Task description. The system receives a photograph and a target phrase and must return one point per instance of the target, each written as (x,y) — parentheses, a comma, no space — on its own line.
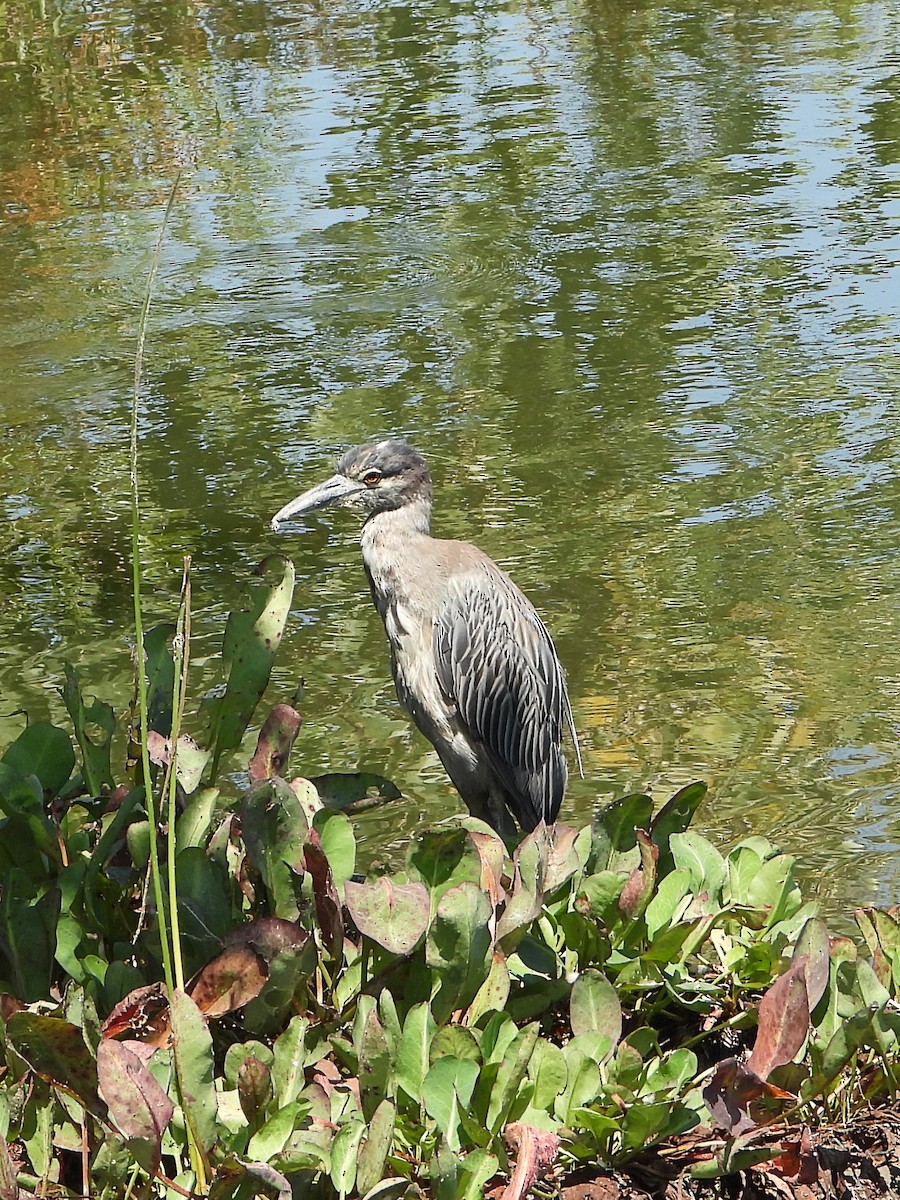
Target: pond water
(628,274)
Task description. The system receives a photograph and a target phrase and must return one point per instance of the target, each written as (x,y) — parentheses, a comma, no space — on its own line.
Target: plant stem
(182,660)
(136,592)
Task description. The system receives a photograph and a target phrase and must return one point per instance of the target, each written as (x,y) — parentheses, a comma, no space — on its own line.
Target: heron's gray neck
(409,521)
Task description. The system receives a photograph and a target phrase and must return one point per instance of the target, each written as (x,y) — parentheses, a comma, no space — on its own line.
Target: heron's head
(375,477)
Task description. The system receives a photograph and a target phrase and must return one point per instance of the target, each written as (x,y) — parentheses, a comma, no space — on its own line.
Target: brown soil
(858,1161)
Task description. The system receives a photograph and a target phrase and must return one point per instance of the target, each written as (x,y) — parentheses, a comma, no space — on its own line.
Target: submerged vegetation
(486,1017)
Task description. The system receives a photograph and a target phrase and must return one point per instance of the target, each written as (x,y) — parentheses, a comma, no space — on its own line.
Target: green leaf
(447,1086)
(506,1090)
(376,1148)
(702,861)
(28,932)
(356,792)
(413,1051)
(493,993)
(674,817)
(594,1006)
(614,826)
(204,905)
(193,1049)
(272,1137)
(275,828)
(338,843)
(192,826)
(598,896)
(45,751)
(671,891)
(252,636)
(159,667)
(442,858)
(98,716)
(458,947)
(454,1041)
(290,1061)
(478,1168)
(394,915)
(344,1151)
(548,1072)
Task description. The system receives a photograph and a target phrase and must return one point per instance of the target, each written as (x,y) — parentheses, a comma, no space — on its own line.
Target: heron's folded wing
(497,665)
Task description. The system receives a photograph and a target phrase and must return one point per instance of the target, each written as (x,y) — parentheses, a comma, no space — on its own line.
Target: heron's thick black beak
(335,490)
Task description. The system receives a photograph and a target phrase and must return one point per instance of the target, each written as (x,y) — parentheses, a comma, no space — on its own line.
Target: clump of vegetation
(487,1017)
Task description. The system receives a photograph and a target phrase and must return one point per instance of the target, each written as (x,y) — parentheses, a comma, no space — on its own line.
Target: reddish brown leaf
(799,1162)
(229,981)
(276,739)
(328,906)
(9,1005)
(143,1016)
(637,891)
(56,1050)
(268,936)
(783,1021)
(491,852)
(738,1099)
(254,1086)
(137,1104)
(535,1151)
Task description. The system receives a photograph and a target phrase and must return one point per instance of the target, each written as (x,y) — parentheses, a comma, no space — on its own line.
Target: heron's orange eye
(371,478)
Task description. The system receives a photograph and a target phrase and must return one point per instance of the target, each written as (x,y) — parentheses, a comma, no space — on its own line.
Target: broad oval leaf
(594,1006)
(43,750)
(395,915)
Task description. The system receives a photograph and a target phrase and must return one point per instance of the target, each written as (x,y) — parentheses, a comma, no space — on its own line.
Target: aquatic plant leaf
(28,933)
(344,1151)
(442,858)
(159,668)
(458,947)
(355,792)
(594,1006)
(783,1021)
(598,896)
(204,904)
(275,742)
(447,1087)
(254,1088)
(376,1148)
(137,1104)
(193,824)
(275,828)
(395,915)
(142,1015)
(613,828)
(55,1049)
(505,1093)
(338,843)
(414,1049)
(493,993)
(193,1049)
(813,944)
(95,755)
(190,758)
(9,1187)
(328,905)
(675,816)
(29,832)
(699,857)
(548,1072)
(636,893)
(45,751)
(229,981)
(252,636)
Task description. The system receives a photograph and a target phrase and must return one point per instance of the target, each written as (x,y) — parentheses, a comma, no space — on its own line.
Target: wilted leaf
(783,1021)
(55,1050)
(328,905)
(730,1093)
(535,1151)
(636,893)
(229,981)
(190,758)
(254,1088)
(273,746)
(268,936)
(137,1104)
(143,1015)
(395,915)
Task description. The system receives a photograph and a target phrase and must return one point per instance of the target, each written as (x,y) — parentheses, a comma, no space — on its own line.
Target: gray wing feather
(497,666)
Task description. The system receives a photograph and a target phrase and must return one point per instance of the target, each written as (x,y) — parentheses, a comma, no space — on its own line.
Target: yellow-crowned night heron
(471,658)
